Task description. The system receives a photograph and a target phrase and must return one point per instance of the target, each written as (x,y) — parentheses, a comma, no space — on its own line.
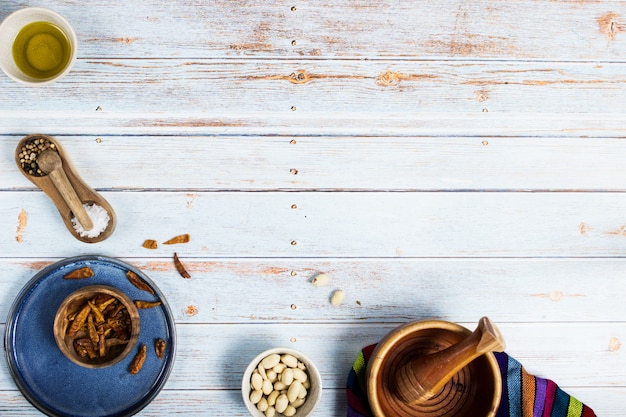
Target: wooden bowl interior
(473,392)
(74,302)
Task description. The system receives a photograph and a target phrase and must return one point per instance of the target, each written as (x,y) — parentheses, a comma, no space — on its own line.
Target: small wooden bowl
(72,304)
(474,391)
(85,193)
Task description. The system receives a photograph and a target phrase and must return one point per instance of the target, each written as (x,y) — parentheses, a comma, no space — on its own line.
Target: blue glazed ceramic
(58,387)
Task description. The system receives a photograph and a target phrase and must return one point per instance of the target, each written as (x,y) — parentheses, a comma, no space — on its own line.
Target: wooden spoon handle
(424,377)
(62,184)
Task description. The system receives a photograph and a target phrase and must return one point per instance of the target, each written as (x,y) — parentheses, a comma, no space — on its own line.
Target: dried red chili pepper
(138,361)
(80,273)
(137,282)
(146,304)
(159,348)
(178,239)
(150,244)
(180,267)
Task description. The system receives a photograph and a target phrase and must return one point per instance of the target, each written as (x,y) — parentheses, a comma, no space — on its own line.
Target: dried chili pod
(114,341)
(103,305)
(91,327)
(138,361)
(180,268)
(79,321)
(81,351)
(137,282)
(146,304)
(80,273)
(97,314)
(159,348)
(150,244)
(178,239)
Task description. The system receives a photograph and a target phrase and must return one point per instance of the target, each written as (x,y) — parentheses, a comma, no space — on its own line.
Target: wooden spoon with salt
(65,188)
(50,163)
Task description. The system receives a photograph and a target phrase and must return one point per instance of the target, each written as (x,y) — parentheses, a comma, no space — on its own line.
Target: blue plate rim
(28,287)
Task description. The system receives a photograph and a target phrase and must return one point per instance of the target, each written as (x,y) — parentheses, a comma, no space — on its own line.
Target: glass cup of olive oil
(37,46)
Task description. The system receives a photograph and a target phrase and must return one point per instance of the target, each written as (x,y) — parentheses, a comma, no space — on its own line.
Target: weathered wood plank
(322,97)
(455,29)
(295,97)
(421,224)
(377,290)
(577,125)
(211,358)
(606,401)
(336,163)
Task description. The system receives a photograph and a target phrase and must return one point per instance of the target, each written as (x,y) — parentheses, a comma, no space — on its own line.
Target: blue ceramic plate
(57,386)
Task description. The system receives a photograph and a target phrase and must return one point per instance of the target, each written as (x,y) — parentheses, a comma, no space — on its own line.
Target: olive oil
(41,50)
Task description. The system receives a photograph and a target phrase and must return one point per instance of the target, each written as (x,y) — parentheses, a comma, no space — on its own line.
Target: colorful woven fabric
(523,395)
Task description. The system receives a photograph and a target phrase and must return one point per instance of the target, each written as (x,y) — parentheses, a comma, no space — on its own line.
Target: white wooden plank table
(447,161)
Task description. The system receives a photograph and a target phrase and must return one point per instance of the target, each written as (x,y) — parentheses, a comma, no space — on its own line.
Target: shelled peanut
(279,385)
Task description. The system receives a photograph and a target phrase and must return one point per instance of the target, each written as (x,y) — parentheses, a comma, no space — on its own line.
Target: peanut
(279,384)
(320,280)
(337,297)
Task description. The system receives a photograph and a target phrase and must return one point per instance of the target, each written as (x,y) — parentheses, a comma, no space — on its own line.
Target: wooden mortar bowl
(74,302)
(474,391)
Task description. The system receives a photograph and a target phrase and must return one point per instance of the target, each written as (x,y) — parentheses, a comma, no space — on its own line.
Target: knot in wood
(610,25)
(388,78)
(299,77)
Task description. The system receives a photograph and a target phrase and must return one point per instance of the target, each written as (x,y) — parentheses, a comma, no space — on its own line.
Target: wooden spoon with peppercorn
(43,162)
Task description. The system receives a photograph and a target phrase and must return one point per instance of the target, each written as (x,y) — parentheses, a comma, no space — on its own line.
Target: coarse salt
(99,217)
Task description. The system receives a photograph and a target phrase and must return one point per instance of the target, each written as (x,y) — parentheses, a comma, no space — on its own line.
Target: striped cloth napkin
(523,395)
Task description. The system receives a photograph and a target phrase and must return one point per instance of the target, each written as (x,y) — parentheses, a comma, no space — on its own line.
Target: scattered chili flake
(146,304)
(138,360)
(80,273)
(159,348)
(178,239)
(150,244)
(137,282)
(180,268)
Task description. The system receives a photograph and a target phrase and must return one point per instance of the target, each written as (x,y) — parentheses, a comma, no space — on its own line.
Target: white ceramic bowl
(314,392)
(11,26)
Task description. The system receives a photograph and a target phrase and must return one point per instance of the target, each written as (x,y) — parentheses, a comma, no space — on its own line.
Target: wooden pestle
(424,377)
(50,163)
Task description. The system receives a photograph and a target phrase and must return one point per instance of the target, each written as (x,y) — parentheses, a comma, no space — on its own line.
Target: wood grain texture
(455,29)
(337,163)
(211,358)
(440,162)
(204,402)
(368,98)
(396,225)
(377,290)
